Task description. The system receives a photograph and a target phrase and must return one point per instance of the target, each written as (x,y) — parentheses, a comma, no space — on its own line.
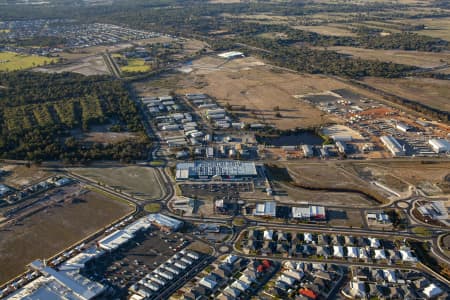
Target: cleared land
(260,88)
(431,92)
(413,173)
(434,27)
(10,61)
(18,176)
(330,29)
(91,65)
(51,230)
(102,134)
(141,182)
(413,58)
(329,179)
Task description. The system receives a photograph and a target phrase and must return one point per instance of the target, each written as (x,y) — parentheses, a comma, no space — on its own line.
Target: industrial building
(342,147)
(308,150)
(312,212)
(216,169)
(231,55)
(266,209)
(403,127)
(439,145)
(393,145)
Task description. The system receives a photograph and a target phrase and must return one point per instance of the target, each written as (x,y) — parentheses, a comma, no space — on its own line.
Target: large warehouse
(216,169)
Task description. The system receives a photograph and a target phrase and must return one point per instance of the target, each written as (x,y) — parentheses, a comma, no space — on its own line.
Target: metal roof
(209,168)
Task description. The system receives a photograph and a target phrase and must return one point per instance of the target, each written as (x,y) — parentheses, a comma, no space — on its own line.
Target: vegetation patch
(39,113)
(10,61)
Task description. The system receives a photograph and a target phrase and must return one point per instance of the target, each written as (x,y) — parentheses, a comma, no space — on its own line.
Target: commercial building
(393,145)
(64,283)
(266,209)
(216,169)
(439,145)
(312,212)
(164,222)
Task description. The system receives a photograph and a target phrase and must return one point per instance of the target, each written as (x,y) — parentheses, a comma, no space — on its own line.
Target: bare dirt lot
(18,176)
(91,65)
(51,230)
(102,134)
(331,182)
(428,175)
(432,92)
(141,182)
(260,89)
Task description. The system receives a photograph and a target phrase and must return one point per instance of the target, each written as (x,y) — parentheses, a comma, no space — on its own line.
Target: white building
(392,145)
(231,55)
(439,145)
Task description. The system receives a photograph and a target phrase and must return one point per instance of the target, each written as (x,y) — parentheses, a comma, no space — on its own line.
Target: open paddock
(54,228)
(431,92)
(18,176)
(10,61)
(139,181)
(412,58)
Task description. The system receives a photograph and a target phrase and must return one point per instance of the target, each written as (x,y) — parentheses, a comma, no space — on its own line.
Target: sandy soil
(260,88)
(18,176)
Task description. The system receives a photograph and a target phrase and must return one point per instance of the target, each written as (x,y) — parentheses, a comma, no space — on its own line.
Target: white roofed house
(268,235)
(432,291)
(407,256)
(353,252)
(208,282)
(390,275)
(374,242)
(379,254)
(308,237)
(338,251)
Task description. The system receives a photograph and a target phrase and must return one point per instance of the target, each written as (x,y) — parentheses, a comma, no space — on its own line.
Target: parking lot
(217,190)
(122,268)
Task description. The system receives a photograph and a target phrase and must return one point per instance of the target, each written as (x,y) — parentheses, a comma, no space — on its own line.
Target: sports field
(10,61)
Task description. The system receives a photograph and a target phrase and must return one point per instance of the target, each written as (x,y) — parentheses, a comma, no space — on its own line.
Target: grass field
(436,27)
(51,230)
(131,65)
(412,58)
(10,61)
(152,207)
(431,92)
(135,65)
(142,182)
